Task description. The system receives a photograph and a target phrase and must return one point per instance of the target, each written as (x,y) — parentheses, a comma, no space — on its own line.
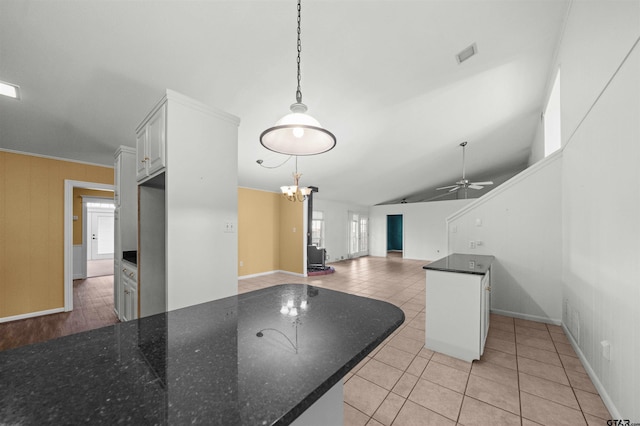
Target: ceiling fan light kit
(297,133)
(464,183)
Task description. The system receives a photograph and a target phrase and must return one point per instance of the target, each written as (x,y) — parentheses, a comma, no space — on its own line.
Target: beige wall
(266,241)
(32,229)
(292,236)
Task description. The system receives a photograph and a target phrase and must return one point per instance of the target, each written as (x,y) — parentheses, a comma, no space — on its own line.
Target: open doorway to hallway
(98,235)
(395,235)
(75,238)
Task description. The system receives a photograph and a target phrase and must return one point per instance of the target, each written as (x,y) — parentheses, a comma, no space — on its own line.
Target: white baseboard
(536,318)
(613,410)
(32,315)
(262,274)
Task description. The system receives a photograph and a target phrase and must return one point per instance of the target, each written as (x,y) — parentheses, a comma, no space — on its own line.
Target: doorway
(98,235)
(69,217)
(358,235)
(395,235)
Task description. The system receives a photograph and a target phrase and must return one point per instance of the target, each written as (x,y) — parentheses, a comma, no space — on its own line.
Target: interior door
(358,235)
(101,235)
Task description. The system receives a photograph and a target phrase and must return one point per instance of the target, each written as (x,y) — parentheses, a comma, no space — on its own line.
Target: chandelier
(295,192)
(298,133)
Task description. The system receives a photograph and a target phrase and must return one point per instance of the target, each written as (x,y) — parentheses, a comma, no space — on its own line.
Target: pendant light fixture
(297,133)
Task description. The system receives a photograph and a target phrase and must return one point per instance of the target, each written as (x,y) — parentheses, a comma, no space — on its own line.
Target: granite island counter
(268,357)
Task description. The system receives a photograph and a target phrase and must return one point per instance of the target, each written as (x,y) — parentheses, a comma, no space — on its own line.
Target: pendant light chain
(299,91)
(298,133)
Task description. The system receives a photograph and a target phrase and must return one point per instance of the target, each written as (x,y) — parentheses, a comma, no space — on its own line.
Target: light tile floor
(528,375)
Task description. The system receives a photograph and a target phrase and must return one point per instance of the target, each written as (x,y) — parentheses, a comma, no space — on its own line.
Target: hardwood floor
(93,308)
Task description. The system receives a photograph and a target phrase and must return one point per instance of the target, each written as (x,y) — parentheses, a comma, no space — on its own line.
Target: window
(552,129)
(317,228)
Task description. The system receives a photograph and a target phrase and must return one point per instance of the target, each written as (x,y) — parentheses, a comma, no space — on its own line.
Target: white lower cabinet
(129,285)
(117,287)
(457,313)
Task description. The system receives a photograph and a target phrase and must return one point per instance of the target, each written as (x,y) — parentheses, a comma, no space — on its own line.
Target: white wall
(336,233)
(520,224)
(424,228)
(601,203)
(537,145)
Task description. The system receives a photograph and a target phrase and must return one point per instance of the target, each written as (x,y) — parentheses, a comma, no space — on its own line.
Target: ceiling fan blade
(454,189)
(482,183)
(446,187)
(474,186)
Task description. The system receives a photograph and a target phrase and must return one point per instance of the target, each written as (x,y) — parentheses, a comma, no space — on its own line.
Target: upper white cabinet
(151,138)
(188,195)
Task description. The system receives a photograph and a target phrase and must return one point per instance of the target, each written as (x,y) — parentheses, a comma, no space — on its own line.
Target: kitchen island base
(458,303)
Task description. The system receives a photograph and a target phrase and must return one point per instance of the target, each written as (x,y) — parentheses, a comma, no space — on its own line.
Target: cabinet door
(133,296)
(127,307)
(156,137)
(485,288)
(117,281)
(141,154)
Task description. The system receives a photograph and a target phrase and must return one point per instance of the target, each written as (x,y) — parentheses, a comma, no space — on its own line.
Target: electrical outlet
(472,245)
(229,227)
(241,263)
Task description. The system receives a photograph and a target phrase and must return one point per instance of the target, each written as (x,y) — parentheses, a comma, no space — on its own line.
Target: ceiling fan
(464,182)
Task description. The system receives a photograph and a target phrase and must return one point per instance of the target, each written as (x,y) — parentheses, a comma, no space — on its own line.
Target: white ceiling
(381,75)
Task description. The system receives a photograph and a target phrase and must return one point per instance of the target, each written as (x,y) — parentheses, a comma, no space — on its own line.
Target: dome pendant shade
(297,133)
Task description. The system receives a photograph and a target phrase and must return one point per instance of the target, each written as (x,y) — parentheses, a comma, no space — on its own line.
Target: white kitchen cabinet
(125,217)
(458,304)
(129,291)
(117,282)
(188,197)
(151,138)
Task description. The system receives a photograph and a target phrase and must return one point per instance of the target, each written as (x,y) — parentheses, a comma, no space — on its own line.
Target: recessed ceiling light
(467,53)
(10,90)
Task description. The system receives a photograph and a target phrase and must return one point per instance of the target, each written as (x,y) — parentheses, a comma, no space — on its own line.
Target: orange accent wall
(77,209)
(32,229)
(266,241)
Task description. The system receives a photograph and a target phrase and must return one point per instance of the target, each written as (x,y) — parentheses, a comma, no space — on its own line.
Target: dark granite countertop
(463,263)
(228,362)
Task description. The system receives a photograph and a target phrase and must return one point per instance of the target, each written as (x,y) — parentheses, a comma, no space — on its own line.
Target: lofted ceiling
(381,75)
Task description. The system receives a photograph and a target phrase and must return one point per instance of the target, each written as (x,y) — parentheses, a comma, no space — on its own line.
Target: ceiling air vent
(467,53)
